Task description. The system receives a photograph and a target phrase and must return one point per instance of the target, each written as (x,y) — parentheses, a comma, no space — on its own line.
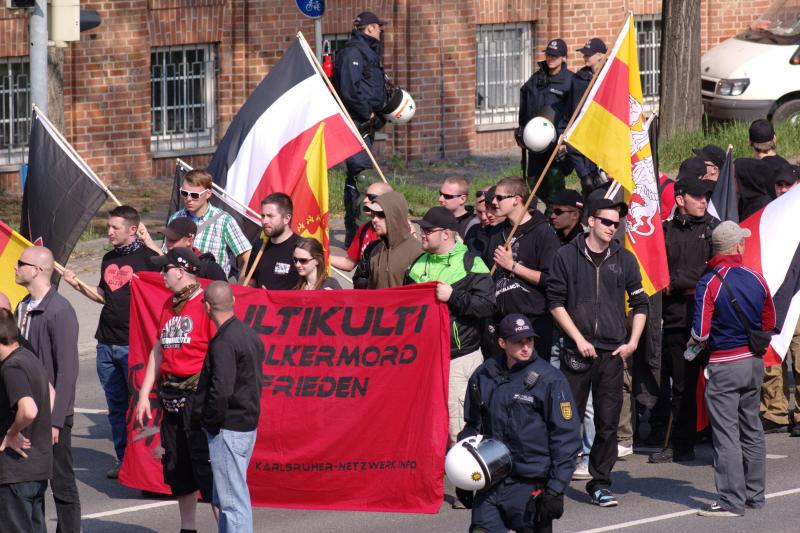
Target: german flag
(12,244)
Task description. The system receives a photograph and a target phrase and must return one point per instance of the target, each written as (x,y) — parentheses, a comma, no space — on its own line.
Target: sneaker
(714,509)
(582,472)
(773,427)
(604,498)
(113,473)
(624,451)
(795,431)
(664,456)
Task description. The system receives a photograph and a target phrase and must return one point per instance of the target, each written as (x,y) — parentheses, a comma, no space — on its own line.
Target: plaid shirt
(218,237)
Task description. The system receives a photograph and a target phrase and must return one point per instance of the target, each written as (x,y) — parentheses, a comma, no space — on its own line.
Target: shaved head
(41,257)
(379,188)
(5,303)
(219,296)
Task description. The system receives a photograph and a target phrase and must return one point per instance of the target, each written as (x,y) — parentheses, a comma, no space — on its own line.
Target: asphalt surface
(653,498)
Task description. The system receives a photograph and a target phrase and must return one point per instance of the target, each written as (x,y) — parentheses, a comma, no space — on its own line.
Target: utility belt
(174,392)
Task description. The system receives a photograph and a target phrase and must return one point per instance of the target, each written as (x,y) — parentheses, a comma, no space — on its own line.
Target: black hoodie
(756,184)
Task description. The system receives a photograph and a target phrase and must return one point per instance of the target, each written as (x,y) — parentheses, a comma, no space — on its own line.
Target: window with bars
(15,109)
(648,37)
(503,66)
(336,42)
(183,87)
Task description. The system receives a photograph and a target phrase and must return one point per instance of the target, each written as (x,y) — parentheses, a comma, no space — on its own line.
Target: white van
(757,73)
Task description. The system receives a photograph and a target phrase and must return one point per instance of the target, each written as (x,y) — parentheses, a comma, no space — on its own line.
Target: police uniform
(529,408)
(547,95)
(361,83)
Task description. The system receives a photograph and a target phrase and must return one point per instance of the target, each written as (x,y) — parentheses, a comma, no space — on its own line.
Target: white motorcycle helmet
(539,134)
(477,463)
(400,108)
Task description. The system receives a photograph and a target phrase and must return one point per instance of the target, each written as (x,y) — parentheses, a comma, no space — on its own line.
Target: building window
(183,86)
(503,66)
(336,42)
(15,109)
(648,38)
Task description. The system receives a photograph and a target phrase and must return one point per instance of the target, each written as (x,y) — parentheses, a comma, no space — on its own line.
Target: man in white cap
(734,307)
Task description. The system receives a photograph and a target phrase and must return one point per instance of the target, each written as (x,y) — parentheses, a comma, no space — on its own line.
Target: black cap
(556,47)
(787,175)
(596,204)
(368,17)
(488,196)
(568,197)
(694,167)
(515,327)
(438,217)
(181,256)
(593,46)
(711,152)
(693,186)
(761,131)
(179,228)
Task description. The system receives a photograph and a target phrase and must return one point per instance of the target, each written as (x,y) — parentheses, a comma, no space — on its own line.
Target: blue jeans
(230,453)
(112,369)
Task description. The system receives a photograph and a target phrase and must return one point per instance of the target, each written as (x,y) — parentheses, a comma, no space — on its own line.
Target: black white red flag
(724,202)
(264,149)
(61,195)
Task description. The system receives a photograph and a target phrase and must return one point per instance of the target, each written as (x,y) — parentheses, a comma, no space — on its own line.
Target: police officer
(361,83)
(547,93)
(521,400)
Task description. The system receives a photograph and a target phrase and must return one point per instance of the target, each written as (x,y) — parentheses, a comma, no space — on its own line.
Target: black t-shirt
(276,269)
(21,375)
(597,257)
(116,272)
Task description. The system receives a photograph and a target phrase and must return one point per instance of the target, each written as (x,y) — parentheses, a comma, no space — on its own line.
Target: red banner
(354,398)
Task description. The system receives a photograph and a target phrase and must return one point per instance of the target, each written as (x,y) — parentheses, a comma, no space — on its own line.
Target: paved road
(653,498)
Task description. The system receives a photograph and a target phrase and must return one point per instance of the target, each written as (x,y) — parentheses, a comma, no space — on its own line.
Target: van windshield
(781,20)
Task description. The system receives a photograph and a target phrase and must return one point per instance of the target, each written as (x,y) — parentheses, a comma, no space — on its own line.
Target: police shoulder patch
(566,410)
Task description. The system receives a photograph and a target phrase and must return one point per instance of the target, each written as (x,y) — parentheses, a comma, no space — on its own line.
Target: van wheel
(788,111)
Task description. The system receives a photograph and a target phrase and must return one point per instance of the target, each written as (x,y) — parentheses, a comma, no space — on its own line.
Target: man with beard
(275,270)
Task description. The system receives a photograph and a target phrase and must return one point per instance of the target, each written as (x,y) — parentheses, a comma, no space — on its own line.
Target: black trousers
(355,164)
(22,507)
(543,327)
(65,490)
(605,377)
(684,385)
(503,507)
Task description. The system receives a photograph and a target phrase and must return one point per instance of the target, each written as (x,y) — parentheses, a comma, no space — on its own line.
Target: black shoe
(795,431)
(773,427)
(750,504)
(664,456)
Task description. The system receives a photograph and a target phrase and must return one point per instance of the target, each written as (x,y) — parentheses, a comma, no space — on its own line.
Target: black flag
(61,193)
(724,203)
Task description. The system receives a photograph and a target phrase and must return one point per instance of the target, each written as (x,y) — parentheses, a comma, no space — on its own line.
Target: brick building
(161,79)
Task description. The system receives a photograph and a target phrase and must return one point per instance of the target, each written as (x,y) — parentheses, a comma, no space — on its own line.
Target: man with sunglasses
(566,210)
(365,234)
(521,272)
(275,270)
(217,231)
(49,323)
(586,291)
(464,284)
(388,258)
(453,195)
(687,237)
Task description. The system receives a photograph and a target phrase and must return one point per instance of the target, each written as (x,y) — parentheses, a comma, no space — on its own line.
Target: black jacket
(593,296)
(688,243)
(533,246)
(359,77)
(229,389)
(210,269)
(539,423)
(543,90)
(756,179)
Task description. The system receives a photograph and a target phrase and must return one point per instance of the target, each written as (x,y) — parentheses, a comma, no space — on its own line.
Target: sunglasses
(301,260)
(192,195)
(371,197)
(21,263)
(479,194)
(379,214)
(501,197)
(449,196)
(430,230)
(558,211)
(607,222)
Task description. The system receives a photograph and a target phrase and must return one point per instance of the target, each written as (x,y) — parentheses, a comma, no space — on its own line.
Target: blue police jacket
(538,423)
(543,90)
(359,77)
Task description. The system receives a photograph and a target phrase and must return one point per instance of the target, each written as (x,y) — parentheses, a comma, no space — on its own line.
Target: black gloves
(466,497)
(468,431)
(549,506)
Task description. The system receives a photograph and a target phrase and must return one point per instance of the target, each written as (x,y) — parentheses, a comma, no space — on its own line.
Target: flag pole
(85,164)
(351,123)
(60,269)
(255,262)
(554,153)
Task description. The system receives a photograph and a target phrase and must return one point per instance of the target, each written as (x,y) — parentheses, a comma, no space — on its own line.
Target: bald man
(365,233)
(48,321)
(227,405)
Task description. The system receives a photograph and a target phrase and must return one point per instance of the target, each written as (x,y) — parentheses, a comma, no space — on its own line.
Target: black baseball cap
(568,197)
(368,17)
(179,228)
(593,46)
(711,152)
(693,186)
(761,131)
(181,256)
(787,175)
(596,204)
(694,167)
(438,217)
(515,327)
(556,47)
